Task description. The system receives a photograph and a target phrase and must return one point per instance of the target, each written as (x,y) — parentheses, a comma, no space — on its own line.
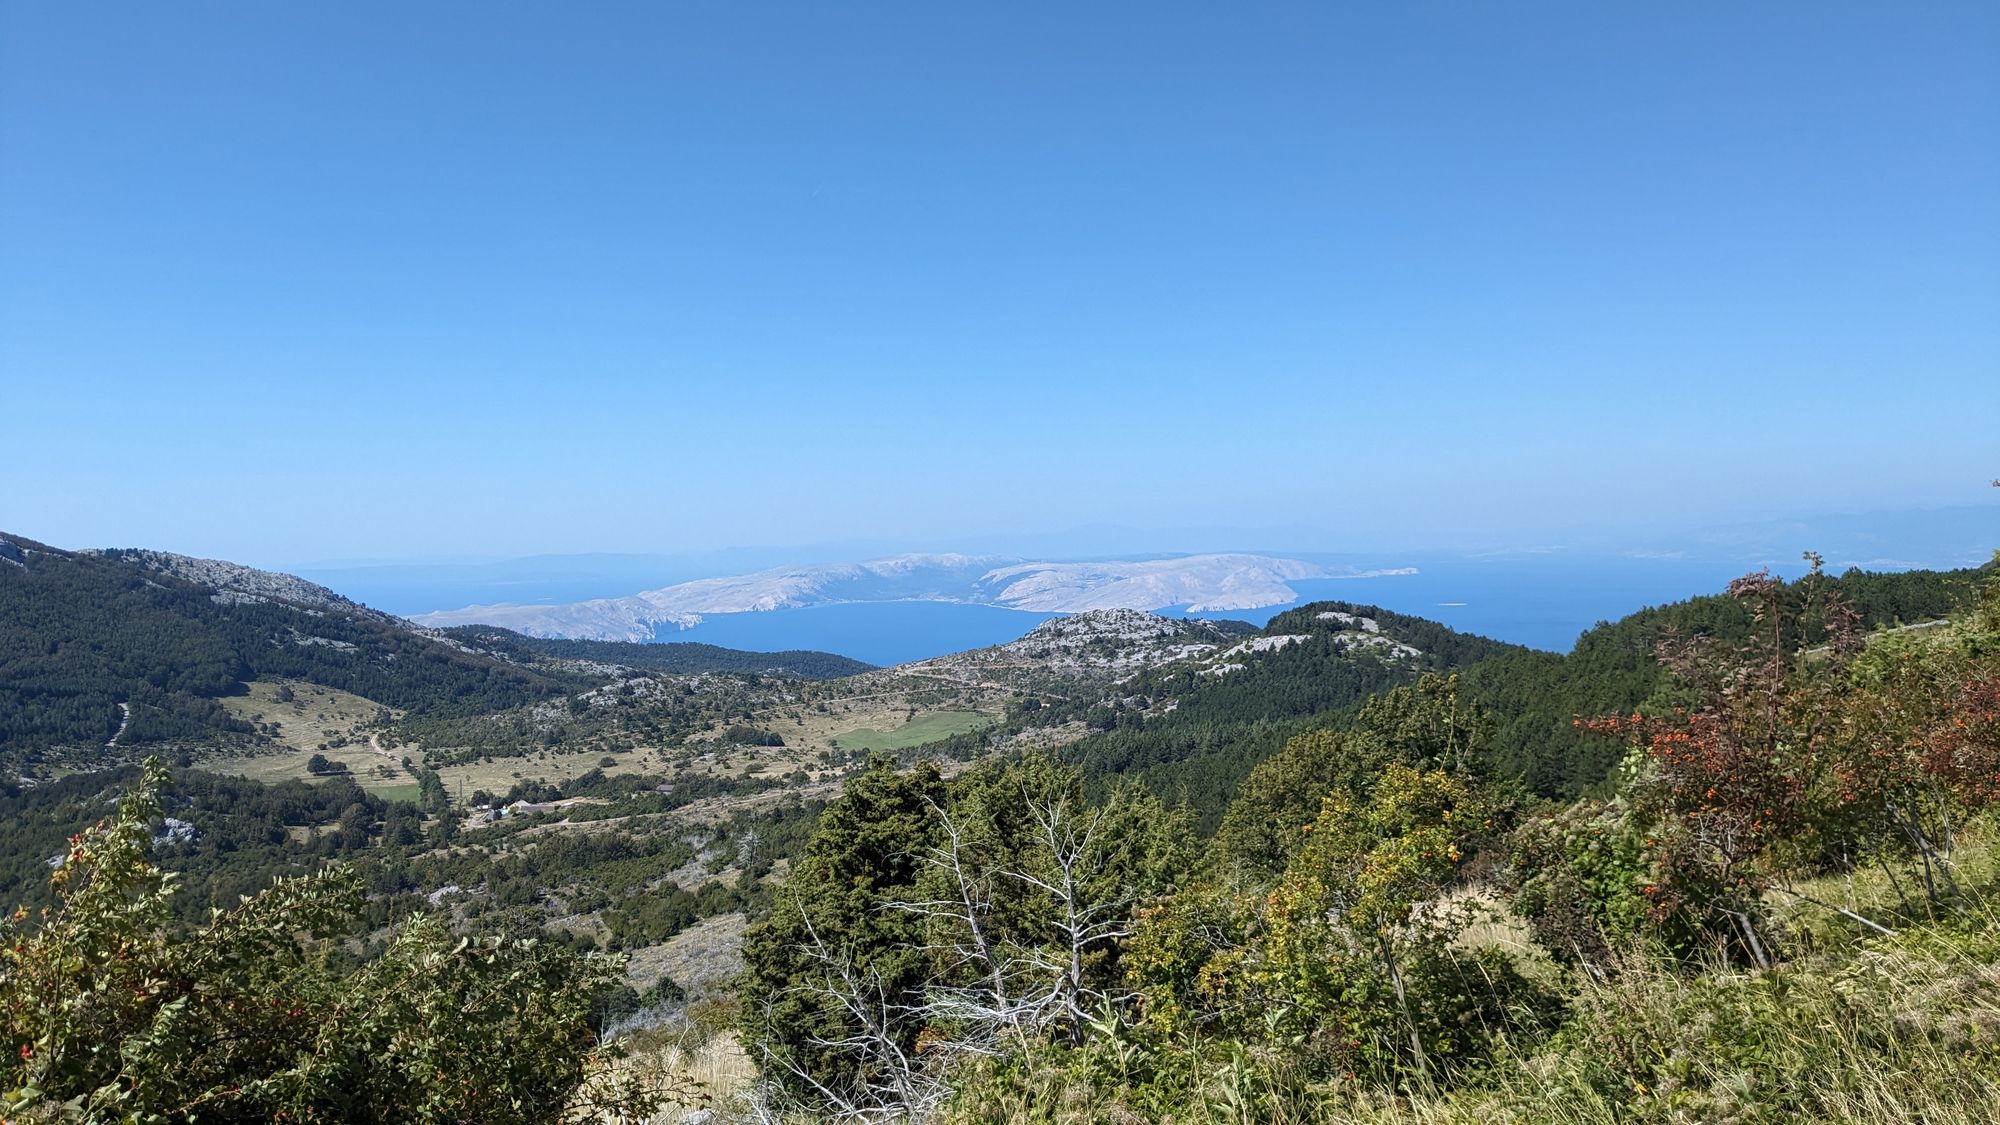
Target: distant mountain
(1203,583)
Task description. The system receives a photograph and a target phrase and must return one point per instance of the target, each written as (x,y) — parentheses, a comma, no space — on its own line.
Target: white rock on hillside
(233,582)
(1206,583)
(1103,644)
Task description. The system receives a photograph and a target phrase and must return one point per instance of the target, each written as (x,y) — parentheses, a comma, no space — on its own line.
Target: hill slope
(674,658)
(1612,670)
(1194,729)
(104,646)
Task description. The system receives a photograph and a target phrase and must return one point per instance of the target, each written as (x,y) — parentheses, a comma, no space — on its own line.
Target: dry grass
(315,714)
(1907,1033)
(317,720)
(895,715)
(499,774)
(686,1069)
(702,959)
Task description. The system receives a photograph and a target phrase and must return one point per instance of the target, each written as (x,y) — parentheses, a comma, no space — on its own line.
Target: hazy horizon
(1943,535)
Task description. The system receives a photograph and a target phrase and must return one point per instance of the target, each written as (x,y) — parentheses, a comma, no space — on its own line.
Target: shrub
(111,1011)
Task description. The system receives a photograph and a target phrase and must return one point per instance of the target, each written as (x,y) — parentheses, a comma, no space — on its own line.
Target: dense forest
(674,657)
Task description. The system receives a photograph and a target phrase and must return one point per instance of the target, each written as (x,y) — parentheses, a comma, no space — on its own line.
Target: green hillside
(1203,731)
(82,634)
(1536,696)
(1192,735)
(674,657)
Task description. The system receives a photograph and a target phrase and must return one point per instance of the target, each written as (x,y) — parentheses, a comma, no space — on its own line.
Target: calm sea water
(1543,601)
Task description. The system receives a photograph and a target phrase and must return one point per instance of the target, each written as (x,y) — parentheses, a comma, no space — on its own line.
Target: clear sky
(282,282)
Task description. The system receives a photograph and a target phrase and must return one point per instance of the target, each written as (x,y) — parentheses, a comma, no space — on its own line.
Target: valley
(718,758)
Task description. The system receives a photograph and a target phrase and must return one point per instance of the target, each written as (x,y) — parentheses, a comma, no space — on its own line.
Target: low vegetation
(115,1010)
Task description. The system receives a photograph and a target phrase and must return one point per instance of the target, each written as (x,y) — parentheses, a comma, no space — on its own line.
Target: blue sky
(318,281)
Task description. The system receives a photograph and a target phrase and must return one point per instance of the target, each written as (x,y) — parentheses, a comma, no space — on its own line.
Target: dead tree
(995,990)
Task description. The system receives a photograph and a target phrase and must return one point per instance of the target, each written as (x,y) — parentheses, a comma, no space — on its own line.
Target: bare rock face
(1203,583)
(1130,631)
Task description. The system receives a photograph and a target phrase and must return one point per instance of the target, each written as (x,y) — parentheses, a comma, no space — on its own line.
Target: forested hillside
(1192,732)
(674,657)
(1535,697)
(82,634)
(106,654)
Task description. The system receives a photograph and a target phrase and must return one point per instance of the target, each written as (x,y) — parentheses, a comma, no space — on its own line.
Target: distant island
(1197,583)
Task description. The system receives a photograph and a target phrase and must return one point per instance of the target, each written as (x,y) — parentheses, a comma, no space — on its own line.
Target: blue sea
(1542,601)
(877,632)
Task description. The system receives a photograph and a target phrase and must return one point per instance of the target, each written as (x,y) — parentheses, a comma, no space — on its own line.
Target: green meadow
(928,727)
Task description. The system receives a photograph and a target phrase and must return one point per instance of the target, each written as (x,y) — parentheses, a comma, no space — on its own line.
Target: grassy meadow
(926,727)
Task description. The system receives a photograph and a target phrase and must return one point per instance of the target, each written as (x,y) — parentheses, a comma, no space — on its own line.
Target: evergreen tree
(834,933)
